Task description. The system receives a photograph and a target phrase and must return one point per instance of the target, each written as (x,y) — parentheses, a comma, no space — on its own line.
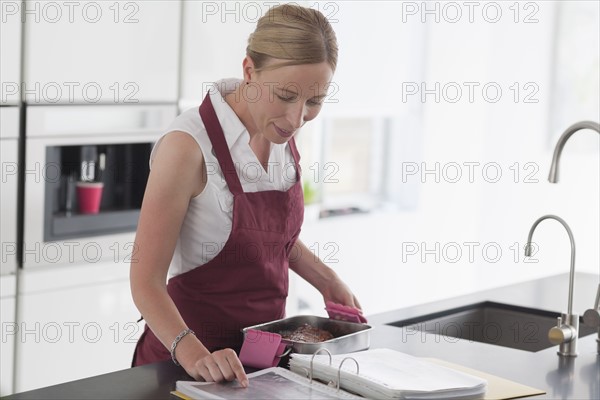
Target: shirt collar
(230,123)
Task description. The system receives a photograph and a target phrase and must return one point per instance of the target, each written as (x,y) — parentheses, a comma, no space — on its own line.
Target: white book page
(392,372)
(270,383)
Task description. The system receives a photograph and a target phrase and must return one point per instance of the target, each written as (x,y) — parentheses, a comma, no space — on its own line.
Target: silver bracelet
(177,339)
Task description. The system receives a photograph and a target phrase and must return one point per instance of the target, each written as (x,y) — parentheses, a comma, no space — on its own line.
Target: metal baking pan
(348,337)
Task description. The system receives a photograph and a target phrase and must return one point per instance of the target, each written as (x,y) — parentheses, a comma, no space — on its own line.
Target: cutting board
(498,388)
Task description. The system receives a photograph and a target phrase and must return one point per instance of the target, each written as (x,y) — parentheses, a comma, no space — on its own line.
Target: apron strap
(217,138)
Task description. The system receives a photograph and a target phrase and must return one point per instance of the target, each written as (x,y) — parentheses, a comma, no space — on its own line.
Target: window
(346,160)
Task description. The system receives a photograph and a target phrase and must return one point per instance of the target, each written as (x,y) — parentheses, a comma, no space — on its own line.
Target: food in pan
(308,334)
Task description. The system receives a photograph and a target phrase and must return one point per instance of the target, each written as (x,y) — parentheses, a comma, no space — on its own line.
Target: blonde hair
(297,34)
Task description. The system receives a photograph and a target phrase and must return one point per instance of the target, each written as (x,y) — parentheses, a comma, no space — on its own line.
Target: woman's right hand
(219,366)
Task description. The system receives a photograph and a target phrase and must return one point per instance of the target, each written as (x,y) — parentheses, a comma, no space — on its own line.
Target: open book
(382,374)
(270,383)
(389,374)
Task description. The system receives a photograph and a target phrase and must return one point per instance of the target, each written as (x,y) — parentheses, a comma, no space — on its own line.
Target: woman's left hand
(338,292)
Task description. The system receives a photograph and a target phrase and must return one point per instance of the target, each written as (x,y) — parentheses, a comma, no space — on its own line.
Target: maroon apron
(247,282)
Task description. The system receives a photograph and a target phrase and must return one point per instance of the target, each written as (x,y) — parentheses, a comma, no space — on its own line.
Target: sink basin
(493,323)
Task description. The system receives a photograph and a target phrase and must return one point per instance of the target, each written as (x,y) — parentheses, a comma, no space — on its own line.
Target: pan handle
(285,353)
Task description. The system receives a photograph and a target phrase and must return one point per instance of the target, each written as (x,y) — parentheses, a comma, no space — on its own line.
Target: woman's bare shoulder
(179,155)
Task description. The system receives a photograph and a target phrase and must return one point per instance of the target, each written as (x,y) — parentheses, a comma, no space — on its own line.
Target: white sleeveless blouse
(207,223)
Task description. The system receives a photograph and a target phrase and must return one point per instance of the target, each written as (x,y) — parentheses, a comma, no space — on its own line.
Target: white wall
(489,215)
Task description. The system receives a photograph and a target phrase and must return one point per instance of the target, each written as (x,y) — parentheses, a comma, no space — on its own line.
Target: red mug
(89,195)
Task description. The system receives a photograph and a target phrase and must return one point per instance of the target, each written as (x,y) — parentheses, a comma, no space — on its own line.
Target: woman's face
(281,100)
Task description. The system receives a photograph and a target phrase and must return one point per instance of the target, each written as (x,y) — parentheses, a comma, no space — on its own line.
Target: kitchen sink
(493,323)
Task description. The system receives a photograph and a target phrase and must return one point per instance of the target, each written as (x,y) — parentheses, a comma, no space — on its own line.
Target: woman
(224,236)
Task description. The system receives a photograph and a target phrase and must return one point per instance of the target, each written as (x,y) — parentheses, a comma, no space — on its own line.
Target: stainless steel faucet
(591,317)
(567,328)
(553,177)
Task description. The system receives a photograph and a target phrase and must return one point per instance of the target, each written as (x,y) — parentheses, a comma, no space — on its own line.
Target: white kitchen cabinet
(92,52)
(207,31)
(10,53)
(8,323)
(74,322)
(9,122)
(9,130)
(396,43)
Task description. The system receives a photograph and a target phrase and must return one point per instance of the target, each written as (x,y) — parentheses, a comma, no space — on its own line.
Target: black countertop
(561,377)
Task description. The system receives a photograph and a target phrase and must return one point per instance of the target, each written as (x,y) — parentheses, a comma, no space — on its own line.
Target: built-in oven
(85,171)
